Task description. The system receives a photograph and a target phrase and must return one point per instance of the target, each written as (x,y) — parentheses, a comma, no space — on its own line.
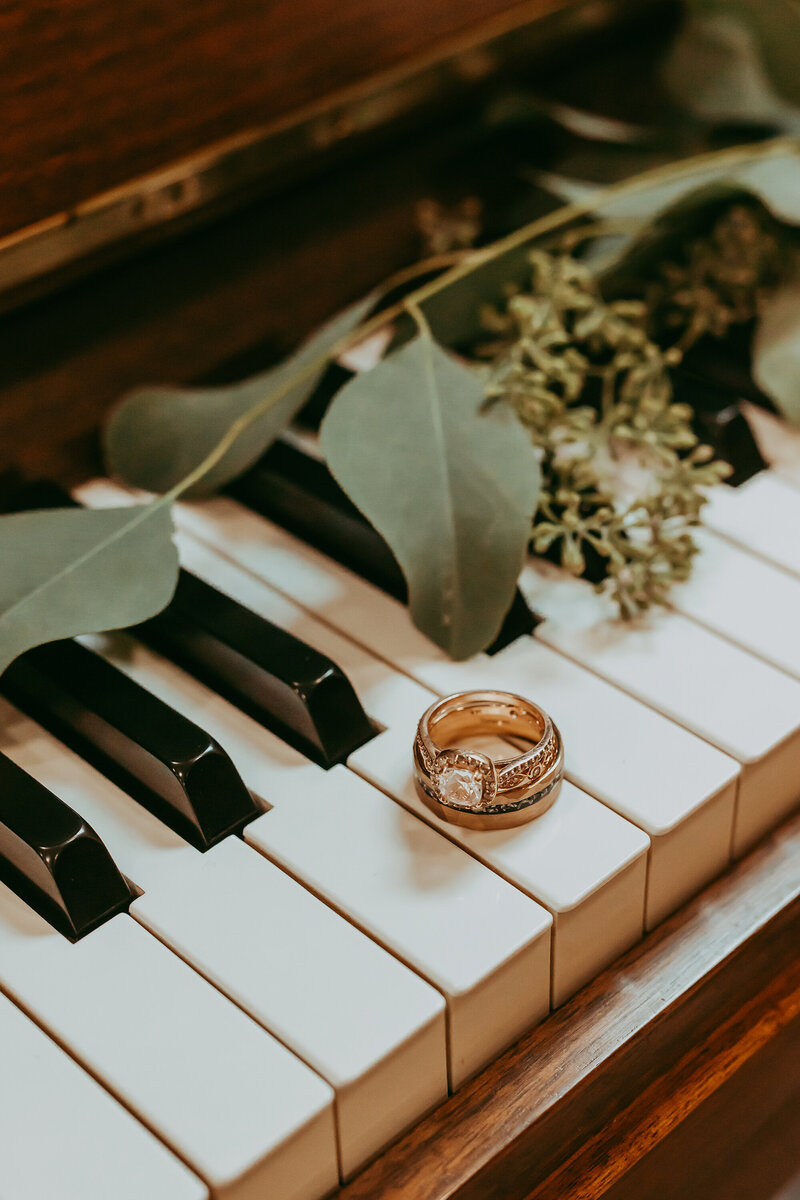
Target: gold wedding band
(467,787)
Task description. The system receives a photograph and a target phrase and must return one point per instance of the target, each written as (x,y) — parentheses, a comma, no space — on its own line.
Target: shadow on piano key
(296,490)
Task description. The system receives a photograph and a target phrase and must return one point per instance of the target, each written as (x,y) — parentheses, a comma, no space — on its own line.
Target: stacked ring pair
(467,787)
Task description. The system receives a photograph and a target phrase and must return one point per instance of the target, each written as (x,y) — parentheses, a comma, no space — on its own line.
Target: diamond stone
(461,786)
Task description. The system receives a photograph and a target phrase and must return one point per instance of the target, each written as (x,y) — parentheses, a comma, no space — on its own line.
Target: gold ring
(467,787)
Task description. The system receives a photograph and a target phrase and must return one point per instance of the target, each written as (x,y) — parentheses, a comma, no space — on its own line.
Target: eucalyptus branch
(551,222)
(641,538)
(419,318)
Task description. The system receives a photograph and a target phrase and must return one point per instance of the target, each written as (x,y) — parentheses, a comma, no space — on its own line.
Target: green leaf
(454,313)
(70,571)
(718,70)
(776,350)
(157,436)
(692,215)
(773,176)
(453,306)
(452,489)
(773,27)
(680,208)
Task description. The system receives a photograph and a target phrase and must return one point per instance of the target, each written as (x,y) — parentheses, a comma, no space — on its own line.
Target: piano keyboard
(294,959)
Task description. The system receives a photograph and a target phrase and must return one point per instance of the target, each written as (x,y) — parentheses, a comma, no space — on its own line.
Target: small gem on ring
(461,786)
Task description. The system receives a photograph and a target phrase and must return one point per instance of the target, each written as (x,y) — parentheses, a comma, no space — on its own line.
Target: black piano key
(165,761)
(53,860)
(34,494)
(285,684)
(297,491)
(292,689)
(720,422)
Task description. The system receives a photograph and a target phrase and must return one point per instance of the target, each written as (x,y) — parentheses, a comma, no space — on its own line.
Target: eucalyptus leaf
(776,350)
(772,175)
(717,70)
(451,488)
(773,26)
(157,436)
(454,312)
(70,571)
(692,215)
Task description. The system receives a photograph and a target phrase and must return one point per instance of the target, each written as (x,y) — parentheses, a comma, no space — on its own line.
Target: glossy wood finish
(760,1106)
(94,94)
(223,301)
(599,1086)
(254,159)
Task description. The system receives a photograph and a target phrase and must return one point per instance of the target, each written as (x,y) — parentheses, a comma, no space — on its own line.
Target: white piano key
(241,1111)
(747,600)
(729,697)
(483,943)
(583,862)
(371,1027)
(387,872)
(678,789)
(361,1019)
(762,516)
(63,1136)
(587,865)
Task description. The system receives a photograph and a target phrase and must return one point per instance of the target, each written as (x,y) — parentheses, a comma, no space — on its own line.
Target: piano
(239,958)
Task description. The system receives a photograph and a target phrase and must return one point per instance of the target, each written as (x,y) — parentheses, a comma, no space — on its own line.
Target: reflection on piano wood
(238,957)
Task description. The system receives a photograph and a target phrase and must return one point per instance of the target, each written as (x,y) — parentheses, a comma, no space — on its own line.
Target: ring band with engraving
(467,787)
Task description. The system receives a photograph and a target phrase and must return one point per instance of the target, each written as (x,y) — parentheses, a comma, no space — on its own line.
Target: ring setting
(468,787)
(464,779)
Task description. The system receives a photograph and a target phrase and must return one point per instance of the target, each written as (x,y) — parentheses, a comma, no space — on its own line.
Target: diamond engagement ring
(468,787)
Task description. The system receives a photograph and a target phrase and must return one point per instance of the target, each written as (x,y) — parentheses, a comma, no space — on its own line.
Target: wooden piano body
(186,193)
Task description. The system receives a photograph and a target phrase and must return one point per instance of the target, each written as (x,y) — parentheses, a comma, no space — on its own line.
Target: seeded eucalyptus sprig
(719,280)
(622,469)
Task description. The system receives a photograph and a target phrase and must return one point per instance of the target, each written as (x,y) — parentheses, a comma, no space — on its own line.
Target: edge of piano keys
(306,572)
(590,1092)
(510,931)
(754,817)
(598,906)
(743,705)
(742,515)
(103,1013)
(67,1100)
(192,902)
(761,781)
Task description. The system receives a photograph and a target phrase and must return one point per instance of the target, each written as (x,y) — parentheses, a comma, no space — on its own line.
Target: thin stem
(599,229)
(416,312)
(570,212)
(436,262)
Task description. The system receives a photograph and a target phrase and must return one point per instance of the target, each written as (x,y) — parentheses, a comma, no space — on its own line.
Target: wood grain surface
(742,1143)
(226,299)
(606,1079)
(95,93)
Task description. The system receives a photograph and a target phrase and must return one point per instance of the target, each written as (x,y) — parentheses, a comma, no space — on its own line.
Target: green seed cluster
(623,471)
